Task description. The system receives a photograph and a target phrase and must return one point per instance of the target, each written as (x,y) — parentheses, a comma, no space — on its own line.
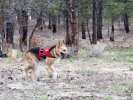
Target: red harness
(44,53)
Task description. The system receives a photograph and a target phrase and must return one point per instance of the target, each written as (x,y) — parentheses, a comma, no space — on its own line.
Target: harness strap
(55,53)
(41,53)
(48,52)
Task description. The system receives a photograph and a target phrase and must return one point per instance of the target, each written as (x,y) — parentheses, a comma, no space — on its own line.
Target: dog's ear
(59,44)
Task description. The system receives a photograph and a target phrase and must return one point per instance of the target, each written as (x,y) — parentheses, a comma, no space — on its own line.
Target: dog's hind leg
(33,75)
(36,71)
(30,72)
(33,66)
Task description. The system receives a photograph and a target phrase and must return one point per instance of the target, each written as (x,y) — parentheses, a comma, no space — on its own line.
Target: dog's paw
(38,79)
(55,76)
(50,76)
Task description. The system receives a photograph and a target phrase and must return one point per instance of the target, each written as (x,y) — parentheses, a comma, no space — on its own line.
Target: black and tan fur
(31,60)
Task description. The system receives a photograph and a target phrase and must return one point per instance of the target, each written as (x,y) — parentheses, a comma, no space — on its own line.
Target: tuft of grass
(131,68)
(46,97)
(87,72)
(123,88)
(122,55)
(107,98)
(93,98)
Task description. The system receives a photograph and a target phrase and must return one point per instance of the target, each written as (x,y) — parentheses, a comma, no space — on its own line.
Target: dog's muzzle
(64,55)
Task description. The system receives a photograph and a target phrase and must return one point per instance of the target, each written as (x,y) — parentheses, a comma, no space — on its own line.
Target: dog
(48,55)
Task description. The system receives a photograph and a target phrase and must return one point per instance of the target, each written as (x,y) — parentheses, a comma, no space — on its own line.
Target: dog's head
(61,48)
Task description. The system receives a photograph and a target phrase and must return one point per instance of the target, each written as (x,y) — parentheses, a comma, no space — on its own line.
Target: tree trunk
(2,35)
(112,30)
(125,18)
(126,23)
(54,26)
(73,34)
(108,29)
(34,29)
(74,27)
(88,30)
(23,28)
(99,18)
(94,19)
(67,37)
(49,25)
(59,22)
(32,33)
(83,30)
(9,33)
(40,23)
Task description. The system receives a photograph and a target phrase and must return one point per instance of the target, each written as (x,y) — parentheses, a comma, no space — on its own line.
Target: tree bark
(2,31)
(66,13)
(88,30)
(34,29)
(40,25)
(125,18)
(59,22)
(32,33)
(74,27)
(112,30)
(54,24)
(99,18)
(49,25)
(94,23)
(83,30)
(23,28)
(73,34)
(9,33)
(126,23)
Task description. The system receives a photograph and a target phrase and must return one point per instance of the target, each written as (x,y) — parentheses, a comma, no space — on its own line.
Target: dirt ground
(106,77)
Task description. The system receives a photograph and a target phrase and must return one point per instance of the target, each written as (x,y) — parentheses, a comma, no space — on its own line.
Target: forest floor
(107,77)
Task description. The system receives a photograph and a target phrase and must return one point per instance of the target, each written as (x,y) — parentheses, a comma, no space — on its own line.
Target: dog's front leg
(54,74)
(51,69)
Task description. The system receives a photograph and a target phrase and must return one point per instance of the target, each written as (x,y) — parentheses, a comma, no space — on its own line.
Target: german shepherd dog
(49,55)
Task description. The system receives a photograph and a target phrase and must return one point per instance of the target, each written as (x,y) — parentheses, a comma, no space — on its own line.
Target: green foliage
(113,9)
(129,8)
(46,7)
(85,9)
(123,88)
(39,6)
(55,8)
(116,8)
